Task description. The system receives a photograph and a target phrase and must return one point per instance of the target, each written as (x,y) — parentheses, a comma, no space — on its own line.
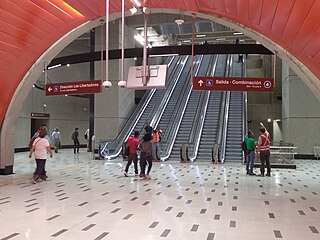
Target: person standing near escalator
(250,152)
(264,149)
(132,143)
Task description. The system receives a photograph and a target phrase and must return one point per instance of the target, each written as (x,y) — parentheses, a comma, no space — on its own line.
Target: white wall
(66,113)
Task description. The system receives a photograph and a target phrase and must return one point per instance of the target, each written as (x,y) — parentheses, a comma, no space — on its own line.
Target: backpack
(73,136)
(31,142)
(244,145)
(127,151)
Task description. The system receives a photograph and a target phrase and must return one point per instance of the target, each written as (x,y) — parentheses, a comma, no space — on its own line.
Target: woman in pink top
(40,147)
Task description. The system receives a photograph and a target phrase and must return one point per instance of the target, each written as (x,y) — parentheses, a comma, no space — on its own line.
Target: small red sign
(233,84)
(72,88)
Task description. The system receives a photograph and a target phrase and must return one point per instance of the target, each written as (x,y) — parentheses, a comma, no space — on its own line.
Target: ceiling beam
(180,50)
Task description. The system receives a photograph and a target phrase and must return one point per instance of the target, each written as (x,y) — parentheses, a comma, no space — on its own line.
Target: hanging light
(106,83)
(179,21)
(133,10)
(122,83)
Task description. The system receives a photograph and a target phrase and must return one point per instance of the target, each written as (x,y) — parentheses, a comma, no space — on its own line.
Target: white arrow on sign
(49,89)
(200,82)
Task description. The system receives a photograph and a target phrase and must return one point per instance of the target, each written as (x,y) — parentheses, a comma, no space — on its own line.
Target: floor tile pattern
(91,199)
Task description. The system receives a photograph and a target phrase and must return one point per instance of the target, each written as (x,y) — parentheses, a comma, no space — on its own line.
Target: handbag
(126,151)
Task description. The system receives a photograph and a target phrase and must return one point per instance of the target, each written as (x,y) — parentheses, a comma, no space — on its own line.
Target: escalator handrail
(164,103)
(202,116)
(226,116)
(182,108)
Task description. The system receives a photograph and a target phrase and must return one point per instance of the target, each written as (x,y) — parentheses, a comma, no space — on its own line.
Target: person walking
(146,156)
(40,147)
(56,136)
(75,138)
(132,143)
(250,152)
(87,138)
(264,149)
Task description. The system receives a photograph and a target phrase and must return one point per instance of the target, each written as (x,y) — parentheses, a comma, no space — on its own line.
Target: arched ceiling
(29,27)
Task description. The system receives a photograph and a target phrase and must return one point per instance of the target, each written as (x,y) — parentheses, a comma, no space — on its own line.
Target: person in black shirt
(75,138)
(148,132)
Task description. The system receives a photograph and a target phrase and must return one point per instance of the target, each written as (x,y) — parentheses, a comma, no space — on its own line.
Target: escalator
(146,109)
(189,119)
(236,115)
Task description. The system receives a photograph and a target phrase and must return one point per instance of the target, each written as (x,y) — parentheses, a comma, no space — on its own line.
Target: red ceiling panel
(54,11)
(6,48)
(15,23)
(37,12)
(255,9)
(16,42)
(243,10)
(83,8)
(94,7)
(281,17)
(308,27)
(296,19)
(231,7)
(207,4)
(220,5)
(6,59)
(29,27)
(267,14)
(313,47)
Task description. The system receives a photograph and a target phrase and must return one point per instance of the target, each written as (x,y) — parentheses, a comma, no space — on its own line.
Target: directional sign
(233,84)
(72,88)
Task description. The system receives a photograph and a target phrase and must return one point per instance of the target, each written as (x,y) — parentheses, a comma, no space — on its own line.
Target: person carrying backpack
(250,152)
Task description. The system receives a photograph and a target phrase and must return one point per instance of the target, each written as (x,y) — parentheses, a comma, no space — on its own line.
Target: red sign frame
(73,88)
(233,84)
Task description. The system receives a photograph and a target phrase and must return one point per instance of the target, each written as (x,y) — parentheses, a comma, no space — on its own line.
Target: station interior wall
(114,106)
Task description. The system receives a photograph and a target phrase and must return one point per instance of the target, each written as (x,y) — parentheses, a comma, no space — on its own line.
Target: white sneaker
(147,177)
(33,180)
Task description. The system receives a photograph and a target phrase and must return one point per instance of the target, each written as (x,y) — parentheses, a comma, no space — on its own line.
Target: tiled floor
(90,199)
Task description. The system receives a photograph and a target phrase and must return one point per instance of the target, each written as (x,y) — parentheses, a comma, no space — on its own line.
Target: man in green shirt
(250,146)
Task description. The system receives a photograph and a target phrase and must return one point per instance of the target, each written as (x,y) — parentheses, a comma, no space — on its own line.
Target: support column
(300,113)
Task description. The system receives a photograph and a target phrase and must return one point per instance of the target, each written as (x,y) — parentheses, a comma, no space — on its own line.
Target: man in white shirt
(56,136)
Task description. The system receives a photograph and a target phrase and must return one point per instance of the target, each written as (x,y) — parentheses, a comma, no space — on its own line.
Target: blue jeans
(250,161)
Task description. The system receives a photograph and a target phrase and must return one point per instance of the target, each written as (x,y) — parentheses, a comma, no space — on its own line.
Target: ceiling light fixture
(133,10)
(179,21)
(54,66)
(201,35)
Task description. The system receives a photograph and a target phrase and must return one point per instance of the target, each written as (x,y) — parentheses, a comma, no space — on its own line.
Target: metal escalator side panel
(132,121)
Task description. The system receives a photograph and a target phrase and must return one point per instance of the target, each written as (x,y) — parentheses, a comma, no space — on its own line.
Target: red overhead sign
(233,84)
(72,88)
